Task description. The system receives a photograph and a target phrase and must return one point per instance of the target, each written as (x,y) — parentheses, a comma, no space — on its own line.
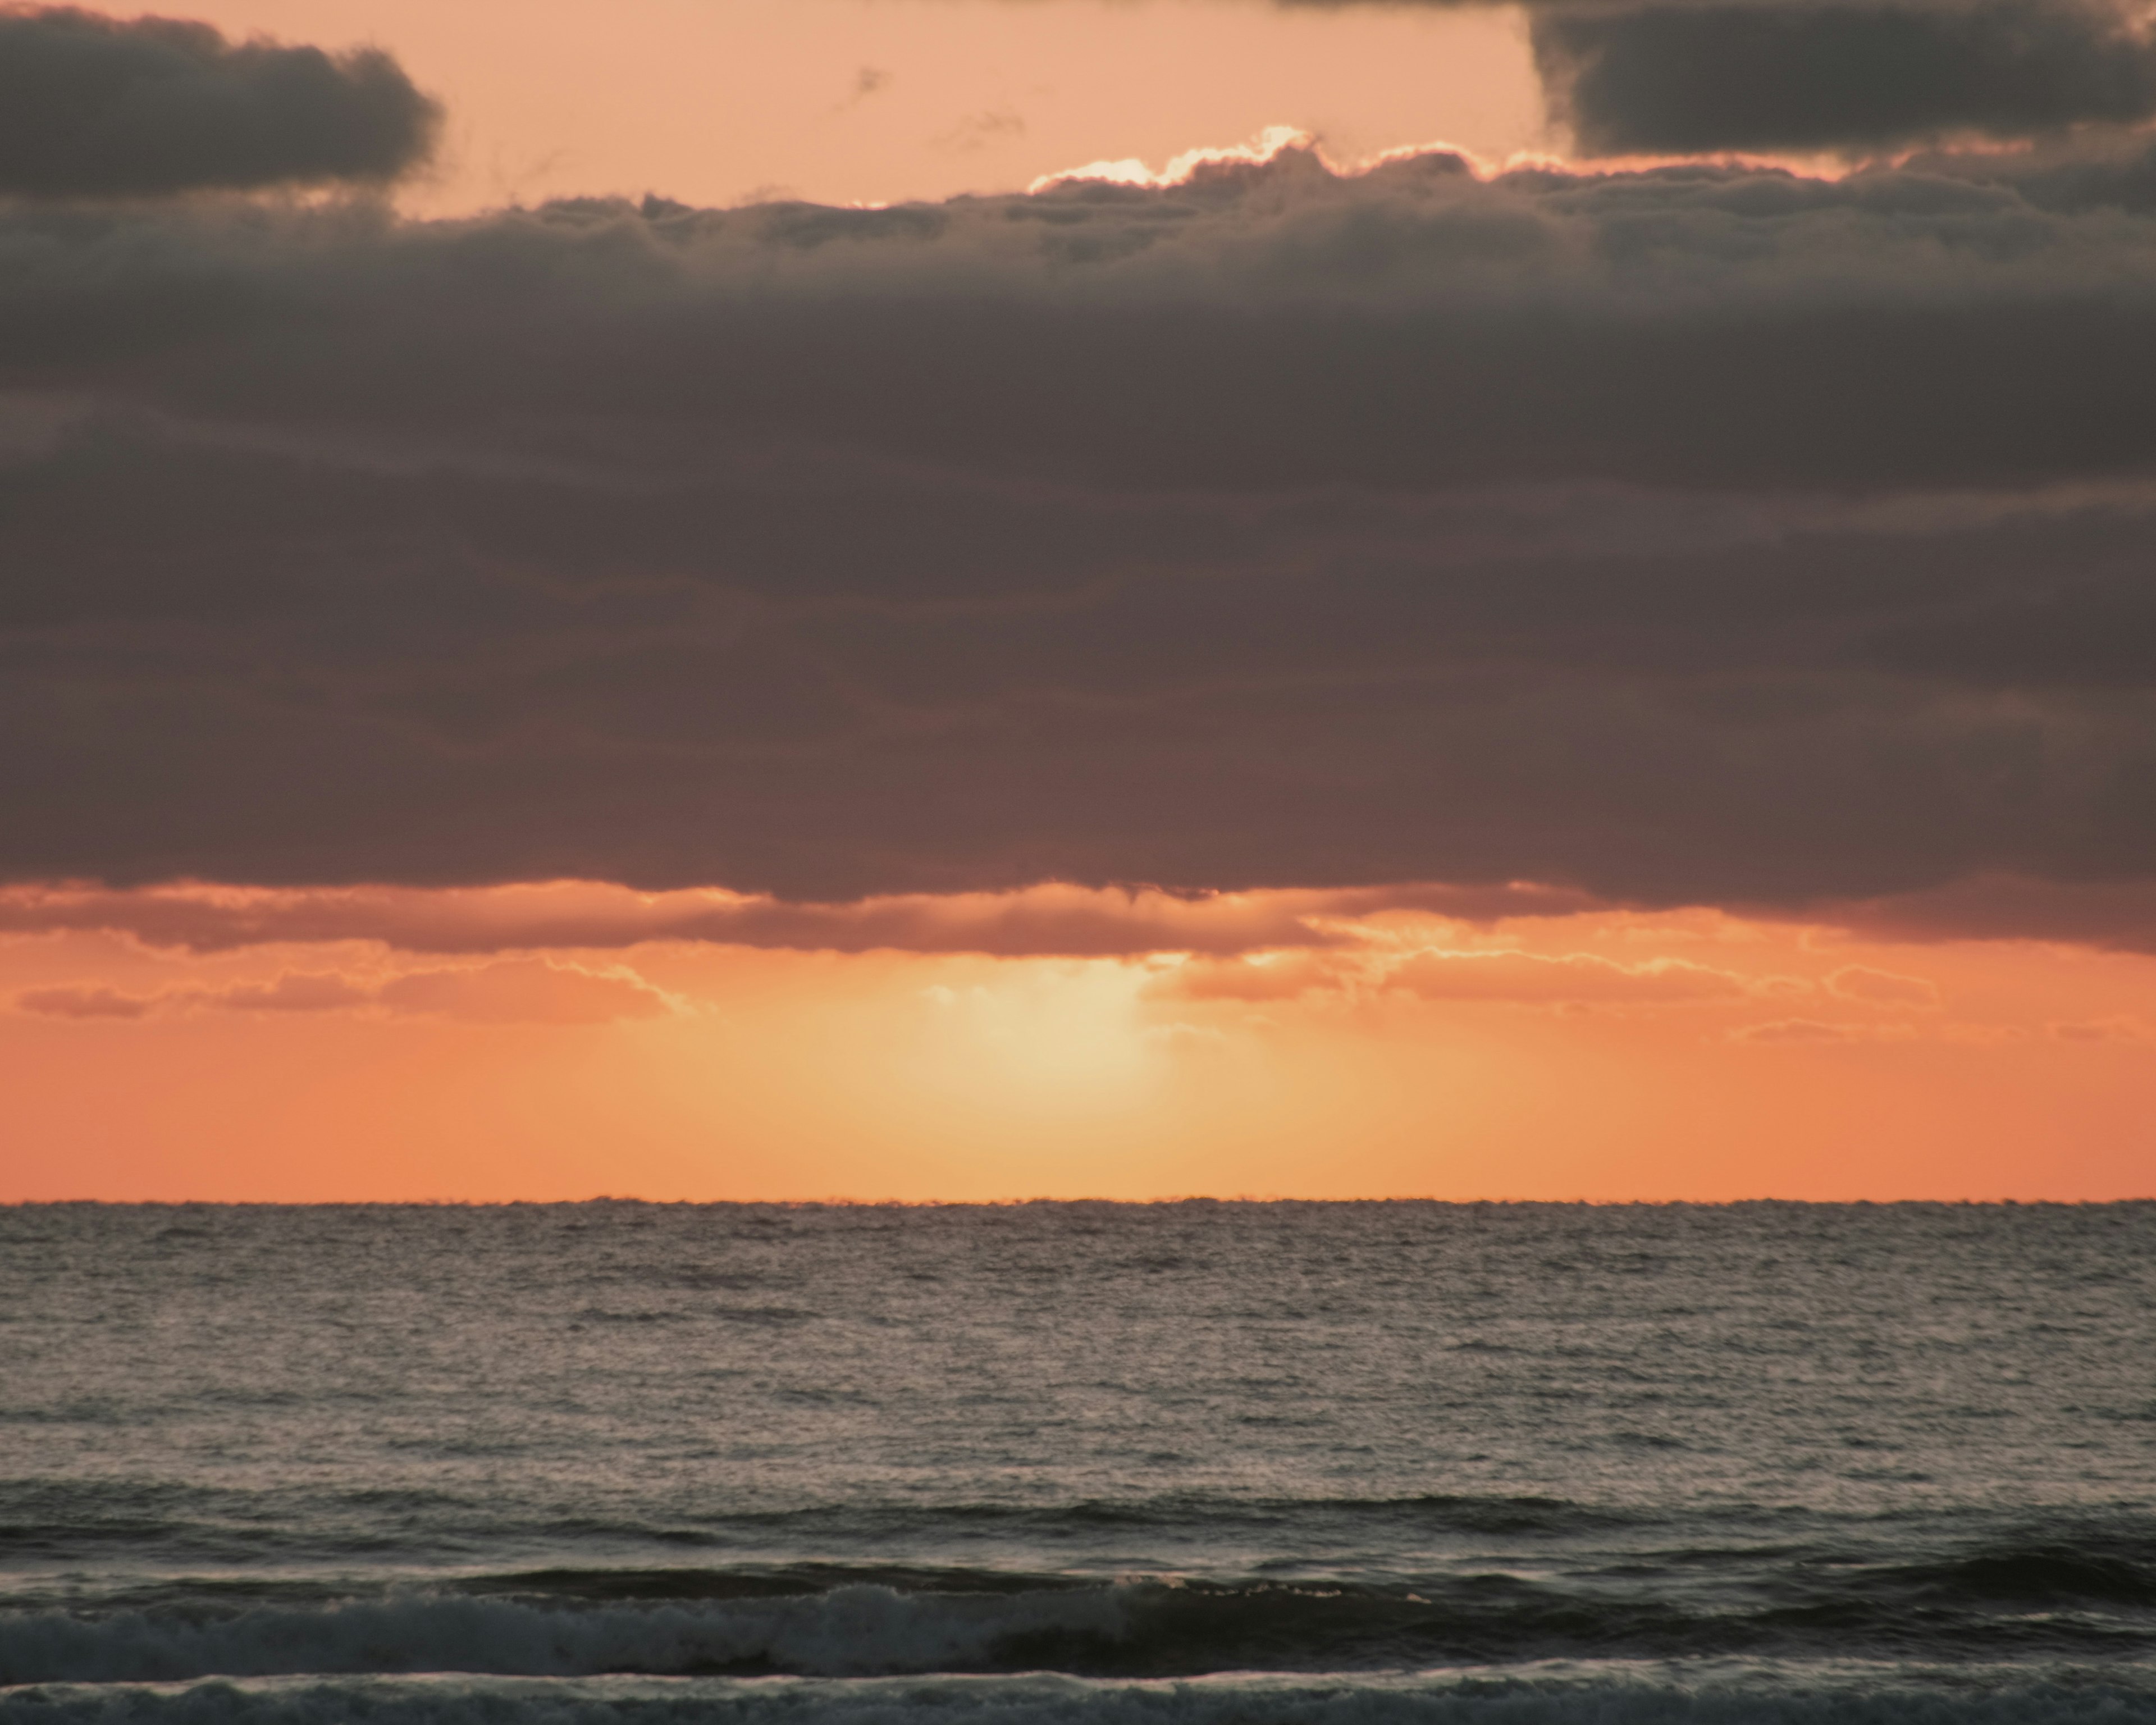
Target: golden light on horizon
(1595,1054)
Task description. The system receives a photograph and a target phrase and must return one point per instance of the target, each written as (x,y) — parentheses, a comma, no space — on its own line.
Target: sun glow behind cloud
(1268,143)
(1324,1049)
(1060,1035)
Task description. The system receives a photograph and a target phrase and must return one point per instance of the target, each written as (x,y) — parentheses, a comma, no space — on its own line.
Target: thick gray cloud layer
(1694,535)
(1265,328)
(1688,79)
(94,107)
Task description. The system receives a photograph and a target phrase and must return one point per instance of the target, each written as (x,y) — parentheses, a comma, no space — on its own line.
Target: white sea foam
(1049,1700)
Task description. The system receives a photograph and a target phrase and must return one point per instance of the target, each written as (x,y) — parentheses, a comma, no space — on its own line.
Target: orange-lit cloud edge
(1272,142)
(576,1038)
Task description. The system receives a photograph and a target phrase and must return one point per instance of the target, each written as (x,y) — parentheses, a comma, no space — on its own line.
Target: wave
(1619,1698)
(54,1519)
(170,1526)
(143,1508)
(2039,1576)
(819,1621)
(855,1629)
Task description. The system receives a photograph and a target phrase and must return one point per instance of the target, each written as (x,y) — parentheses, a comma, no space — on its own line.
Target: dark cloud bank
(92,106)
(1700,535)
(1815,75)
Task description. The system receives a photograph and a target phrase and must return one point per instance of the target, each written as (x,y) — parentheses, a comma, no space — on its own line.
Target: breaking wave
(1797,1698)
(569,1623)
(848,1631)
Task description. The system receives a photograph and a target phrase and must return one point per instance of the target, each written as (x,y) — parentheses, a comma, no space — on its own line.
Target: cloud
(868,81)
(1884,987)
(1040,922)
(524,991)
(1571,978)
(1270,976)
(66,1003)
(1819,1033)
(295,991)
(1699,536)
(1392,319)
(92,106)
(2120,1028)
(518,991)
(2119,914)
(1682,79)
(976,132)
(1508,975)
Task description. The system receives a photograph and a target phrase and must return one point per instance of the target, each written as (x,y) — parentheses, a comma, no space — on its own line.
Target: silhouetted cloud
(1045,921)
(92,106)
(1682,79)
(1700,536)
(2119,912)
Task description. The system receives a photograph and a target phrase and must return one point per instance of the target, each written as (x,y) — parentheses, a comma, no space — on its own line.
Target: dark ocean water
(1223,1464)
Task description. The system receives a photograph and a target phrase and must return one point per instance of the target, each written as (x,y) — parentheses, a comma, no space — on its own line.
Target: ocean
(1070,1464)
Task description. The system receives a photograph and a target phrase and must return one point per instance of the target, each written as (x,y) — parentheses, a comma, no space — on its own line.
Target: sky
(963,599)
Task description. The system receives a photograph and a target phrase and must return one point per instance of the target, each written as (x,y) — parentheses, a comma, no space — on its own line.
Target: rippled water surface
(1256,1464)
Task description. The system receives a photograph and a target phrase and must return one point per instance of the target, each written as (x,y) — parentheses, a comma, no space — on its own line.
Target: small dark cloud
(868,81)
(92,106)
(977,131)
(1681,79)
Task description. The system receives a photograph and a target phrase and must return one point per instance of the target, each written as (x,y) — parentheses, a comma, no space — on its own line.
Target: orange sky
(1593,1054)
(873,100)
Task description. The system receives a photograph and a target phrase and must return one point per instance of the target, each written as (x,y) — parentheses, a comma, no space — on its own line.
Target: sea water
(1055,1463)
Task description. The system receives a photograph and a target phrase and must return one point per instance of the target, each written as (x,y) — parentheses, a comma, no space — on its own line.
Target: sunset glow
(951,599)
(421,1045)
